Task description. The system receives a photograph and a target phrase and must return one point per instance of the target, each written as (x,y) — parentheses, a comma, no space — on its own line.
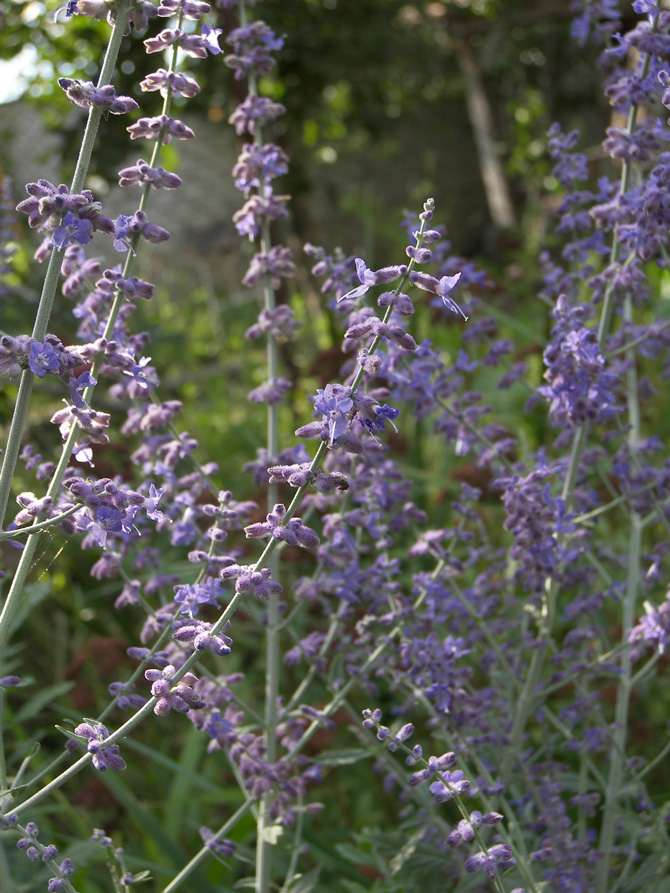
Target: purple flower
(256,164)
(334,403)
(372,326)
(200,633)
(255,111)
(280,322)
(441,287)
(191,9)
(42,358)
(105,520)
(72,229)
(125,699)
(211,38)
(249,580)
(270,392)
(190,597)
(151,503)
(86,95)
(225,849)
(252,45)
(142,174)
(449,785)
(183,533)
(103,757)
(580,387)
(385,414)
(257,210)
(491,862)
(121,228)
(81,382)
(401,303)
(654,626)
(180,696)
(165,81)
(9,681)
(136,372)
(294,533)
(161,125)
(368,278)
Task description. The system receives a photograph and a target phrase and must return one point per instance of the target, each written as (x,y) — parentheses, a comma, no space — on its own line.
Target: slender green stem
(295,850)
(625,348)
(626,175)
(205,853)
(6,882)
(297,695)
(4,785)
(264,842)
(571,677)
(624,689)
(646,669)
(660,756)
(42,525)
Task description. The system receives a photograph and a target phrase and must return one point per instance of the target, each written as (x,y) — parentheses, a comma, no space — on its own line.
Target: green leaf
(343,757)
(32,596)
(69,734)
(355,854)
(42,699)
(406,851)
(653,869)
(305,883)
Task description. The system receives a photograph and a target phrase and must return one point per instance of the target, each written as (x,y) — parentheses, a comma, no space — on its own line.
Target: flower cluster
(103,757)
(178,696)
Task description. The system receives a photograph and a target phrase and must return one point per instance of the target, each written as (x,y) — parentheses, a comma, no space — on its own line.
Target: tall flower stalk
(52,275)
(256,168)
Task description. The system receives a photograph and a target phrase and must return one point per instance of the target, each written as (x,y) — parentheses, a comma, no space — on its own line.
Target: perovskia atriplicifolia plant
(472,666)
